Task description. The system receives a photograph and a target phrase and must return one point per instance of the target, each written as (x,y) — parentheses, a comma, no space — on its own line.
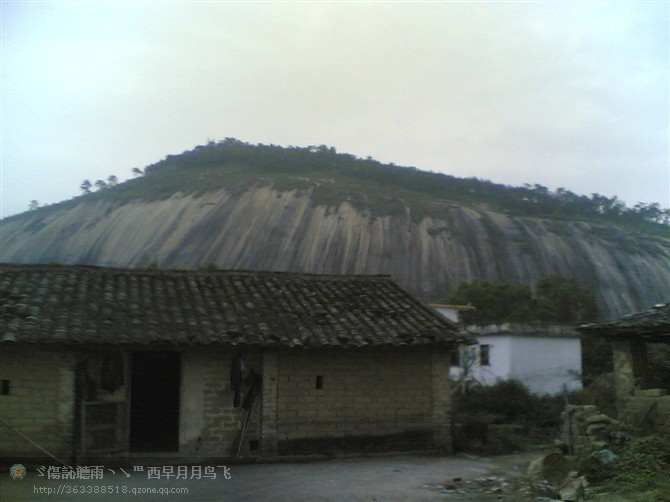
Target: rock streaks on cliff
(264,229)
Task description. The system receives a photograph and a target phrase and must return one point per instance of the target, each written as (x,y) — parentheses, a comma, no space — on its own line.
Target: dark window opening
(4,387)
(485,355)
(253,444)
(455,357)
(319,382)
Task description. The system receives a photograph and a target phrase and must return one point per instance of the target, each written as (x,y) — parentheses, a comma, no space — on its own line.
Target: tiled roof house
(99,361)
(638,402)
(652,325)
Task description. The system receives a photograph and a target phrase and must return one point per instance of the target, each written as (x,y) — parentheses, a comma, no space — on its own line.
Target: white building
(547,358)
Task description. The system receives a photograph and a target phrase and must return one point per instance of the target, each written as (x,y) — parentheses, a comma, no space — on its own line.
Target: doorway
(154,403)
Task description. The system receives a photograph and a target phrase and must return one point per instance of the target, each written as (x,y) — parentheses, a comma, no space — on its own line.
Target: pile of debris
(485,488)
(584,427)
(549,477)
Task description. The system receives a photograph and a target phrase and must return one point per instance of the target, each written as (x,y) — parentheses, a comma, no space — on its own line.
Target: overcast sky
(571,95)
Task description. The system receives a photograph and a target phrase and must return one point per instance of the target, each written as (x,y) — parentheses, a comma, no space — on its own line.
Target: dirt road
(413,477)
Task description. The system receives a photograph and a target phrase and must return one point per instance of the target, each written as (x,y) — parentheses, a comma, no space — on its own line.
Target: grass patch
(640,473)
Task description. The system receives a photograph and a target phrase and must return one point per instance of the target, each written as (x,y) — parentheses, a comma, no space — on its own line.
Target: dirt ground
(402,477)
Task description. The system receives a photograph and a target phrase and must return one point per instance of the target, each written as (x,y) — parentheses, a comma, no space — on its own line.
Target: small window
(484,355)
(253,445)
(455,357)
(4,387)
(319,382)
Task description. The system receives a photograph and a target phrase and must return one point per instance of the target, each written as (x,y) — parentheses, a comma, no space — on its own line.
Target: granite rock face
(265,229)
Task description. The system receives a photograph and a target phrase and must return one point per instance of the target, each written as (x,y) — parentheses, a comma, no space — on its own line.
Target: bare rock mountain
(283,215)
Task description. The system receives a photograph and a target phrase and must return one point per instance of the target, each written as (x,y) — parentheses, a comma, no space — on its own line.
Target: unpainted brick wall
(442,422)
(40,403)
(364,392)
(217,422)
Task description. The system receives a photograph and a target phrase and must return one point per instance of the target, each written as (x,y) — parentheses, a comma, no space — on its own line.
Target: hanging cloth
(255,388)
(236,368)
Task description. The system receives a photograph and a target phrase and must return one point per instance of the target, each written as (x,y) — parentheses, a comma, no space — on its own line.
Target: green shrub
(505,402)
(503,417)
(640,473)
(471,430)
(506,438)
(604,394)
(588,463)
(644,463)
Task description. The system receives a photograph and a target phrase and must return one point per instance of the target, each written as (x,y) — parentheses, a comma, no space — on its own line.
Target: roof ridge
(167,271)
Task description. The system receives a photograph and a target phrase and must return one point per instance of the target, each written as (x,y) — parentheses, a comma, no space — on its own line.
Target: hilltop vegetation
(367,184)
(260,207)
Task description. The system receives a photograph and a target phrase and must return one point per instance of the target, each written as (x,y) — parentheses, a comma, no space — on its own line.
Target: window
(455,357)
(319,382)
(484,355)
(4,387)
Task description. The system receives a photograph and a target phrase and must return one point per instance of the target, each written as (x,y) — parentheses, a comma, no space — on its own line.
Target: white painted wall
(500,359)
(545,358)
(547,365)
(449,312)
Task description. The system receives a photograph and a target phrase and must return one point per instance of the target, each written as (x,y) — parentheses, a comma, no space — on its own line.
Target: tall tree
(558,299)
(33,205)
(100,184)
(112,180)
(561,299)
(86,186)
(495,301)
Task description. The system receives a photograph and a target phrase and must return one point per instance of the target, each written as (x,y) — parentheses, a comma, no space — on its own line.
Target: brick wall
(367,395)
(442,437)
(269,407)
(40,403)
(364,394)
(209,424)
